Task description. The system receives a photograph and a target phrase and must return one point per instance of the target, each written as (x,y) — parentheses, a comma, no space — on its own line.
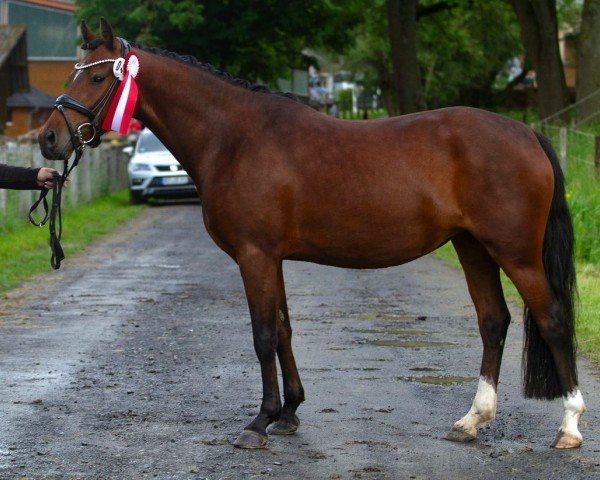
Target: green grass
(24,250)
(350,115)
(588,318)
(584,203)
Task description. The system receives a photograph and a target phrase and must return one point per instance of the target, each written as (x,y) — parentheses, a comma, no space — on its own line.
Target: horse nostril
(50,138)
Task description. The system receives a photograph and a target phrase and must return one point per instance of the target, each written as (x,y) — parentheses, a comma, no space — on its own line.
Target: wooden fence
(100,171)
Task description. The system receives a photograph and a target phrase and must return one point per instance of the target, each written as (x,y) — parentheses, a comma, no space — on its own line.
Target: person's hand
(44,177)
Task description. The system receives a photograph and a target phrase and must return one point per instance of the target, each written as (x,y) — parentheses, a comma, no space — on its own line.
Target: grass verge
(24,250)
(588,311)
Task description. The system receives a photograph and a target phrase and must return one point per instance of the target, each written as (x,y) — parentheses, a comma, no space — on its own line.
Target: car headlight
(138,167)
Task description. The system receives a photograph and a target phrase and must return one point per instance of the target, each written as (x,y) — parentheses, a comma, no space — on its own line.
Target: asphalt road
(135,360)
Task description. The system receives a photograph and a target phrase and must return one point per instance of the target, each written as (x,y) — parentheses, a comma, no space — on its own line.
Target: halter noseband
(79,143)
(78,140)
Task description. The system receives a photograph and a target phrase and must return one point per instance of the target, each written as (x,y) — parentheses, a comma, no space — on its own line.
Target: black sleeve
(18,178)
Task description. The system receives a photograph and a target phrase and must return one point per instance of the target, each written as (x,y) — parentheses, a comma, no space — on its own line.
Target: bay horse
(280,181)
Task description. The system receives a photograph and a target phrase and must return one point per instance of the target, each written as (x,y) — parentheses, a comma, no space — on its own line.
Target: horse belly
(371,239)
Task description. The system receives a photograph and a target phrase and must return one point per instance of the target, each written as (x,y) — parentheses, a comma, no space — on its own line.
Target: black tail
(540,378)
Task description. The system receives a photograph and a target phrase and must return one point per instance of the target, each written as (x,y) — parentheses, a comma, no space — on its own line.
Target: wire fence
(577,149)
(578,143)
(101,171)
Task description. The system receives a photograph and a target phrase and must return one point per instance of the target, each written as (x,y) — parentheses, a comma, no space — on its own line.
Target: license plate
(176,180)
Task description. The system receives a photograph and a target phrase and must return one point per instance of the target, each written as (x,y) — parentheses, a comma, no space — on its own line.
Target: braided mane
(194,62)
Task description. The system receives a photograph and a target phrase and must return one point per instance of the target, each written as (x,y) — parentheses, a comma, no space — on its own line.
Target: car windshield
(149,143)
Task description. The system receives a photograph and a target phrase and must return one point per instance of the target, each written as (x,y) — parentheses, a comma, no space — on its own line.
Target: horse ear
(86,34)
(107,34)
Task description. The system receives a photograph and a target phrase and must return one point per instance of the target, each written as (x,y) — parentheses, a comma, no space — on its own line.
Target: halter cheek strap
(78,137)
(79,142)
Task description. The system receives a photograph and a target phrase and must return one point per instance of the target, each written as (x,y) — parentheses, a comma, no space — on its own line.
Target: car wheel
(136,197)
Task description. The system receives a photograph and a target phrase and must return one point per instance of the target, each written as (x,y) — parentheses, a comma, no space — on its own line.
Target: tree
(254,40)
(588,60)
(402,27)
(539,34)
(369,56)
(461,45)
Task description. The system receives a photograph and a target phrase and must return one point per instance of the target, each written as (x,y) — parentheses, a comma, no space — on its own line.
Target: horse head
(75,121)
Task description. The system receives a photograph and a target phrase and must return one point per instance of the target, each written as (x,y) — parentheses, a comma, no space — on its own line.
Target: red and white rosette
(123,102)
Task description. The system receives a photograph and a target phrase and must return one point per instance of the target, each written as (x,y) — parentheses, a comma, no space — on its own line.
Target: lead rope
(50,215)
(57,252)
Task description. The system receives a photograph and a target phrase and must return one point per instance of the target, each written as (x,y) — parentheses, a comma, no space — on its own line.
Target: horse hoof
(285,427)
(567,440)
(251,439)
(458,434)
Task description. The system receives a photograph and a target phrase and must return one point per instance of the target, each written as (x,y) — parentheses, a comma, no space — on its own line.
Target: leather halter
(78,140)
(79,143)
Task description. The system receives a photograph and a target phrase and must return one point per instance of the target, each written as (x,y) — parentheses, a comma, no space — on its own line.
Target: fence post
(2,202)
(25,158)
(563,148)
(3,159)
(597,156)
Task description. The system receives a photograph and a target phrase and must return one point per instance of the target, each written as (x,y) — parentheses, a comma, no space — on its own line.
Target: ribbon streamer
(123,103)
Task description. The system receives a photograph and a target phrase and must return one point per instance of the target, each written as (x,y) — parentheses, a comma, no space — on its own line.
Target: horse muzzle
(51,145)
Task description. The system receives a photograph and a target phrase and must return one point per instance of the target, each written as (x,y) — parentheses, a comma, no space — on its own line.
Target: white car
(154,172)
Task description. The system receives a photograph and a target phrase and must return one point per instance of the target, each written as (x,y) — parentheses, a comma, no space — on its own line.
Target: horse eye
(98,78)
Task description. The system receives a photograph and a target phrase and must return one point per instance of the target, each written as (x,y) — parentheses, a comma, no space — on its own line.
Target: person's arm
(19,178)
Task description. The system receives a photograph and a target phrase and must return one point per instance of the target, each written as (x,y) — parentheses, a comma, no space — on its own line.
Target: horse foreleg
(483,279)
(293,392)
(259,273)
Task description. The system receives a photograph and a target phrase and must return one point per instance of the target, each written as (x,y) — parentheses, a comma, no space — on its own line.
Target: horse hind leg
(293,392)
(544,273)
(483,279)
(549,356)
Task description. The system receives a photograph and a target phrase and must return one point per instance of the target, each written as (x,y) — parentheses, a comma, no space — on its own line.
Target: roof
(9,37)
(33,99)
(68,5)
(13,52)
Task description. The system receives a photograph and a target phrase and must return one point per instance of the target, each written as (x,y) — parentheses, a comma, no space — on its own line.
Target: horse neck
(194,113)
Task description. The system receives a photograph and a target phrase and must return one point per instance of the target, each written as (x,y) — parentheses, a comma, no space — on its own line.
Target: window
(51,33)
(149,143)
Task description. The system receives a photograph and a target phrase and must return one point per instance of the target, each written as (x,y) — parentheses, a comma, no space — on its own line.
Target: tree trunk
(539,34)
(588,61)
(402,29)
(389,101)
(387,85)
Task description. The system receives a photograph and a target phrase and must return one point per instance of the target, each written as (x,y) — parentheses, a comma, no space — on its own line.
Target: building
(51,40)
(28,110)
(13,67)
